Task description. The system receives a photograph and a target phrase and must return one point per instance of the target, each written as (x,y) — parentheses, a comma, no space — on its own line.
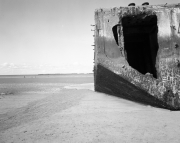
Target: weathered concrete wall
(105,20)
(107,52)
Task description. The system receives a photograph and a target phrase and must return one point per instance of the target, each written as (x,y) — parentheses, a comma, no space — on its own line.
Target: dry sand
(77,114)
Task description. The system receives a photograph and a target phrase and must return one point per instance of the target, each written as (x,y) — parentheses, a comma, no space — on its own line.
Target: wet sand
(74,113)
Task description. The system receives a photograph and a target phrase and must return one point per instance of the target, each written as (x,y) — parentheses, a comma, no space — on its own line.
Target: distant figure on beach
(24,77)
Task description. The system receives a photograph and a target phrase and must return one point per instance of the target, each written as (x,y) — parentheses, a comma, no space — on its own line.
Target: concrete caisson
(137,53)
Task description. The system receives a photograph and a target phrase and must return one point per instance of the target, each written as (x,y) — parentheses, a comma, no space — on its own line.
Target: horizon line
(44,74)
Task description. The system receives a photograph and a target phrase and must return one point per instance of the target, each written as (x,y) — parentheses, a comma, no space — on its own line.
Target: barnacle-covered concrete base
(137,54)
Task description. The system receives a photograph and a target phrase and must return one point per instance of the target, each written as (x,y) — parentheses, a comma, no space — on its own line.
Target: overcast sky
(50,36)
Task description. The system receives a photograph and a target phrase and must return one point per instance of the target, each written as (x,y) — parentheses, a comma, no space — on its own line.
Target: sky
(51,36)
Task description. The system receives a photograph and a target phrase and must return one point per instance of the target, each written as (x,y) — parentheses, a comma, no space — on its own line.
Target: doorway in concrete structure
(140,42)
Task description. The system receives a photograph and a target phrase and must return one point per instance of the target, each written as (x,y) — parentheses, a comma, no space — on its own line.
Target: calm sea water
(12,85)
(66,78)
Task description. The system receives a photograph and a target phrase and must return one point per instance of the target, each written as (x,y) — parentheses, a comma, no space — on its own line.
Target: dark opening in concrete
(115,30)
(140,42)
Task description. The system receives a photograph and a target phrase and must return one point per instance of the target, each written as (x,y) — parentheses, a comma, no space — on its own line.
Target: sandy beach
(74,113)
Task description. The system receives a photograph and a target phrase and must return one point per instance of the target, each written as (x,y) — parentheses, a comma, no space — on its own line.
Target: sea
(41,83)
